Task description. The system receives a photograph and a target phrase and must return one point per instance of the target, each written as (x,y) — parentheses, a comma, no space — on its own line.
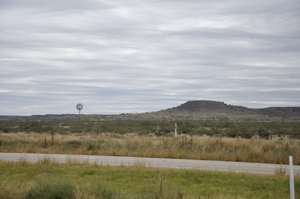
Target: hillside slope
(213,109)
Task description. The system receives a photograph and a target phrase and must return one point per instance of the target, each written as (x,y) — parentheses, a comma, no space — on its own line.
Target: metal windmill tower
(79,108)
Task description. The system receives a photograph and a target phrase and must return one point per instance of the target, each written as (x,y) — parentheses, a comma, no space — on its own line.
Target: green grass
(19,180)
(51,190)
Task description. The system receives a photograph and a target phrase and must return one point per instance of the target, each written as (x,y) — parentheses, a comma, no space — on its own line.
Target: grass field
(24,180)
(196,147)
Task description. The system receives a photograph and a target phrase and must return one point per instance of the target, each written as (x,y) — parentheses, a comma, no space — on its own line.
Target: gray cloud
(134,56)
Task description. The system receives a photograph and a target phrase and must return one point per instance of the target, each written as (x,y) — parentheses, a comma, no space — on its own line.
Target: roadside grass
(25,180)
(49,190)
(186,147)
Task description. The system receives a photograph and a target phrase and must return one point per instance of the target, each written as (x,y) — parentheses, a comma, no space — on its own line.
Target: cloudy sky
(144,55)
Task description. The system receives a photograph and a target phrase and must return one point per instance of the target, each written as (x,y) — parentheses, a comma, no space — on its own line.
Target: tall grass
(196,147)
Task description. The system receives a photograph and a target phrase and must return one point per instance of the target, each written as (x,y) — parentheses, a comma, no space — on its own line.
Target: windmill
(79,108)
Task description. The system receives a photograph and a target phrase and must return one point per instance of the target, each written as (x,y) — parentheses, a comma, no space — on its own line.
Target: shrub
(73,143)
(98,191)
(52,190)
(105,194)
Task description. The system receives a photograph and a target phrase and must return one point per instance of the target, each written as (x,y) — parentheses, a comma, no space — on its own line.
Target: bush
(73,143)
(51,191)
(105,194)
(98,191)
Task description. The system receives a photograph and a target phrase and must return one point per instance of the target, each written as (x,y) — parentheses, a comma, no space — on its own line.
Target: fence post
(175,129)
(292,185)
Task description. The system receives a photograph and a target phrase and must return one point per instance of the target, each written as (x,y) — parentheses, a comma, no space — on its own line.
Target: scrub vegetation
(212,127)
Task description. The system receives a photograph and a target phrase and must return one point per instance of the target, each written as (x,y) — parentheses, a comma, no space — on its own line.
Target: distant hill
(208,107)
(191,110)
(213,109)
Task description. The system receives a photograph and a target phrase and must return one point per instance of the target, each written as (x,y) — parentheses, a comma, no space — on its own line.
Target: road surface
(225,166)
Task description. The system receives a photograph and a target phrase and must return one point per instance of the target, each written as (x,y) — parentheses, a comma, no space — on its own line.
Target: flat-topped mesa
(206,109)
(195,106)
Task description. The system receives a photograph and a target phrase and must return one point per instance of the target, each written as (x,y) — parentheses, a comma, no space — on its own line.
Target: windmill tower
(79,108)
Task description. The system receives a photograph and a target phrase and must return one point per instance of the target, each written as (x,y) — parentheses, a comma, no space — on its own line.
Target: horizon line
(112,114)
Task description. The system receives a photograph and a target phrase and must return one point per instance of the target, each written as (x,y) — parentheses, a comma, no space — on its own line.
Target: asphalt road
(226,166)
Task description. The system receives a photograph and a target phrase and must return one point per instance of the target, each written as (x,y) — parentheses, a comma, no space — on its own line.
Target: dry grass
(206,148)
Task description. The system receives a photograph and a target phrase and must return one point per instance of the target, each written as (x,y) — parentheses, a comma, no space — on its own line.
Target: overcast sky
(133,56)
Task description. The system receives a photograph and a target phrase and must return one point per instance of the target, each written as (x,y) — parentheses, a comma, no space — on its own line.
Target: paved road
(242,167)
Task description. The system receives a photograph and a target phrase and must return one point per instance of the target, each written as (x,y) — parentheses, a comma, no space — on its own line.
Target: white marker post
(175,130)
(292,185)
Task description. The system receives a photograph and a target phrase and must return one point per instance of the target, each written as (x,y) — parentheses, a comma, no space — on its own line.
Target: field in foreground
(187,147)
(24,180)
